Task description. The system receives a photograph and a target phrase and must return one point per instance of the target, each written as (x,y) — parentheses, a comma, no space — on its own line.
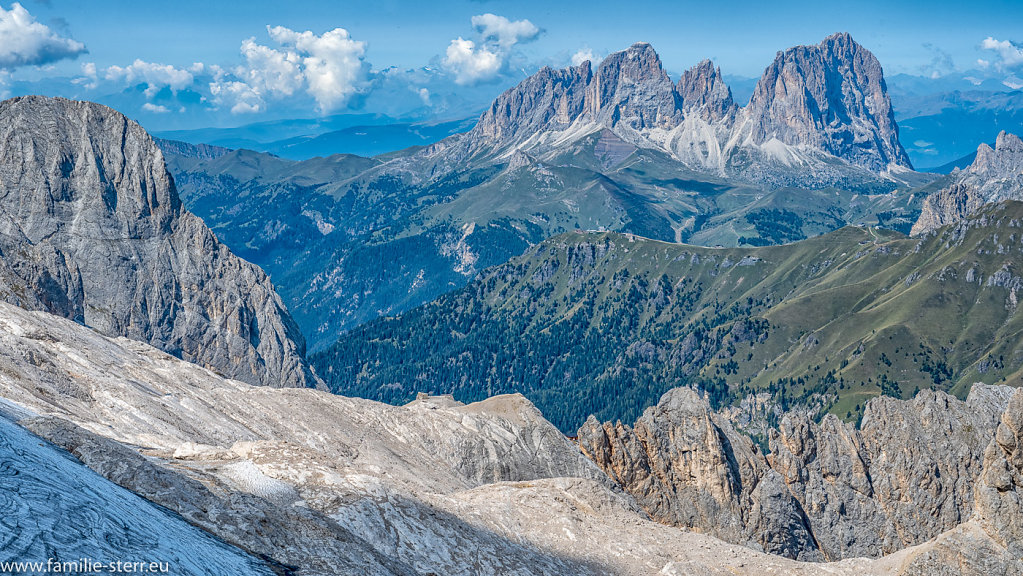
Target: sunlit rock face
(92,229)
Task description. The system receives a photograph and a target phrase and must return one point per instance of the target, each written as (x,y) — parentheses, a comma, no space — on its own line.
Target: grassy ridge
(347,239)
(604,323)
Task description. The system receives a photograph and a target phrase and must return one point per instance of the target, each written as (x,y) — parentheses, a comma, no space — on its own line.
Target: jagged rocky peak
(92,229)
(996,175)
(632,88)
(812,103)
(831,97)
(703,91)
(628,88)
(826,490)
(546,100)
(1004,160)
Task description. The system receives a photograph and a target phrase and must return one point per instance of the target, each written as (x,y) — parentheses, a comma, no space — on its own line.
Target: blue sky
(190,63)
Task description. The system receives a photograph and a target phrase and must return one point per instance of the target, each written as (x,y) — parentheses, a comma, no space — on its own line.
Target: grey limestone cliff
(826,491)
(813,104)
(92,229)
(703,91)
(629,89)
(831,97)
(549,98)
(995,175)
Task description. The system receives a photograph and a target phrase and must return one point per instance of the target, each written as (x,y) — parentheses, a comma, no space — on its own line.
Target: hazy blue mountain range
(943,120)
(619,146)
(360,134)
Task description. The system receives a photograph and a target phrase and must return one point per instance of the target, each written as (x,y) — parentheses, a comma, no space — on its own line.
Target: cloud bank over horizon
(280,69)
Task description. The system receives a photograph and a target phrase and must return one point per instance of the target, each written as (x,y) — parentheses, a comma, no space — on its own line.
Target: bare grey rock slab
(92,229)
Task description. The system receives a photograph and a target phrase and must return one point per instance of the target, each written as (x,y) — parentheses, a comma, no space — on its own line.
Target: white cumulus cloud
(242,98)
(333,63)
(472,62)
(155,76)
(504,32)
(1010,54)
(26,42)
(583,55)
(330,67)
(270,71)
(155,108)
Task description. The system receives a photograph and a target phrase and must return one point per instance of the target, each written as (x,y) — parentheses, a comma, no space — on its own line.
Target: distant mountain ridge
(812,103)
(618,146)
(360,134)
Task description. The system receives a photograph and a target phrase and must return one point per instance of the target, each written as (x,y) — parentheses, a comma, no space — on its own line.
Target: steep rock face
(826,491)
(631,89)
(92,229)
(703,92)
(548,100)
(812,103)
(831,97)
(995,175)
(1000,490)
(905,476)
(687,467)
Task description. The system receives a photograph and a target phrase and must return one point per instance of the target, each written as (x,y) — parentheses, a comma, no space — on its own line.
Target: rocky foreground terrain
(825,491)
(311,483)
(92,229)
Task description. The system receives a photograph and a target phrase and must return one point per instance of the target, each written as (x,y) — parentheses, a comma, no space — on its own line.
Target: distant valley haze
(191,65)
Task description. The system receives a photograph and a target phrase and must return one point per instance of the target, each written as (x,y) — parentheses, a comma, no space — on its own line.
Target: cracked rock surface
(313,483)
(92,229)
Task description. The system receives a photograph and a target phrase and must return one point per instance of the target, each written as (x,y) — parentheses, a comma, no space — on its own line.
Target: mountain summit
(996,175)
(830,97)
(92,229)
(703,91)
(812,104)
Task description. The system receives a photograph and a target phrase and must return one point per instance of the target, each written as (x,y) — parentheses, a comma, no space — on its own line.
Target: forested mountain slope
(604,323)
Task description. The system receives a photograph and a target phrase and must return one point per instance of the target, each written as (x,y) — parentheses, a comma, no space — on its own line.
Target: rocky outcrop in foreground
(913,471)
(995,175)
(92,229)
(312,483)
